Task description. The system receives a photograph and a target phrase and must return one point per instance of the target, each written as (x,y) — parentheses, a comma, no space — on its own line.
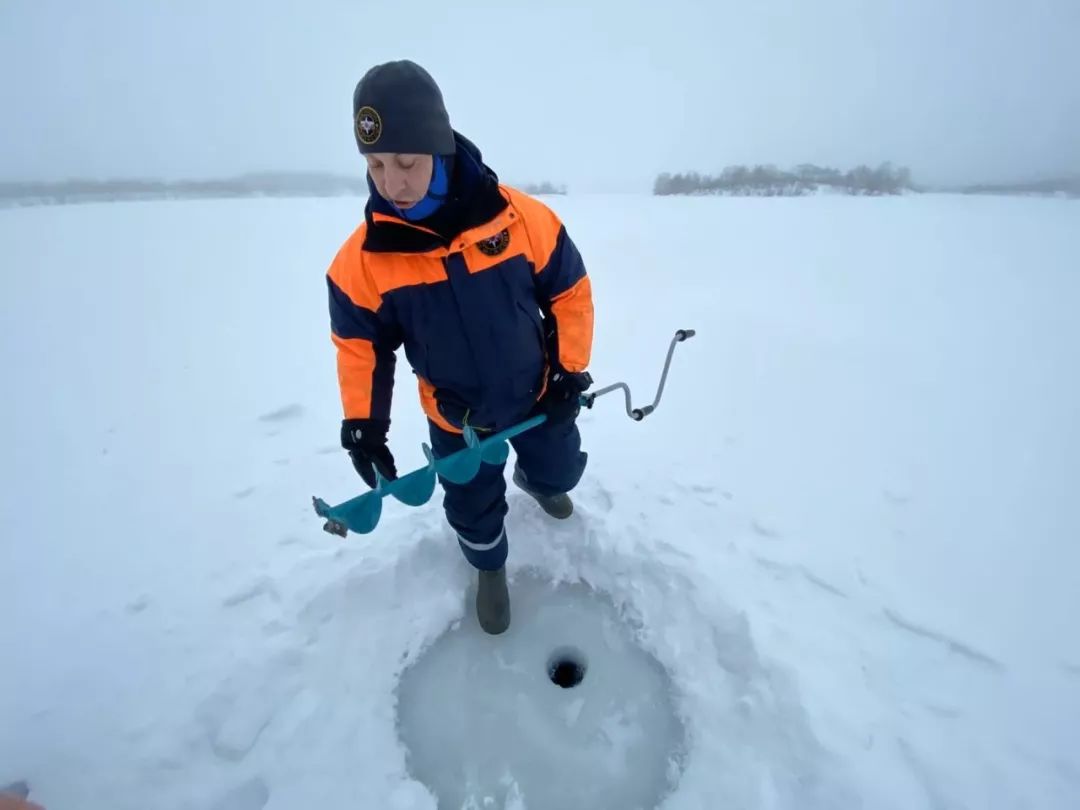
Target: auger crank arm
(637,414)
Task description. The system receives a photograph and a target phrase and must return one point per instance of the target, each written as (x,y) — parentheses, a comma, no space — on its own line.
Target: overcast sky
(600,95)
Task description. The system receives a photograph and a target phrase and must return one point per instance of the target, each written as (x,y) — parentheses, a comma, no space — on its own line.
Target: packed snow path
(846,541)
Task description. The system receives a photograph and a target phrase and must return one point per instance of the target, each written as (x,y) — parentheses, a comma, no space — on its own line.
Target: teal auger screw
(361,514)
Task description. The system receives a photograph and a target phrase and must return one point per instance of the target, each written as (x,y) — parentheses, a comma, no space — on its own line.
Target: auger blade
(495,452)
(414,489)
(361,514)
(462,466)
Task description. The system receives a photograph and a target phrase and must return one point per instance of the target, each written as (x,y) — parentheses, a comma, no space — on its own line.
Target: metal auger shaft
(637,414)
(361,514)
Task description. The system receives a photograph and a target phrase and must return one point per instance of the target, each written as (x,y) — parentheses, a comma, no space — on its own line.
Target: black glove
(562,399)
(365,439)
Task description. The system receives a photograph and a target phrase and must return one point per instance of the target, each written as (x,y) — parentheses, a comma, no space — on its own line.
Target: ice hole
(566,667)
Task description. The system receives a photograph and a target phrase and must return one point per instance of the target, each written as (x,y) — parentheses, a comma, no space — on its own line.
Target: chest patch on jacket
(496,244)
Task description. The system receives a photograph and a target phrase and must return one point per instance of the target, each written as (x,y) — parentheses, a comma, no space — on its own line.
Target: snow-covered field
(849,536)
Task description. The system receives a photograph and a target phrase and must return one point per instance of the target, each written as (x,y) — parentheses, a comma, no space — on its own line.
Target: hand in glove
(365,439)
(562,399)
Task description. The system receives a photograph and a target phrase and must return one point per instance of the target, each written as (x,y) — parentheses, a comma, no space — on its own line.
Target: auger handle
(637,414)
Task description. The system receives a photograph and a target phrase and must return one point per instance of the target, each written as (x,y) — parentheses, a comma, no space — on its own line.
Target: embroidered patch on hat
(496,244)
(368,125)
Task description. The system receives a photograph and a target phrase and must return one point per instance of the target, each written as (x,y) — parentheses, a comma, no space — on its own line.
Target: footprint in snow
(251,795)
(604,500)
(896,498)
(244,493)
(138,605)
(284,414)
(706,493)
(782,570)
(821,583)
(235,716)
(765,530)
(953,645)
(773,566)
(924,775)
(1068,771)
(664,547)
(1070,669)
(945,712)
(274,627)
(263,586)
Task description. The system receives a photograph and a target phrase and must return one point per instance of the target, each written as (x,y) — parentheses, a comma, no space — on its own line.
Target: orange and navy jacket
(484,309)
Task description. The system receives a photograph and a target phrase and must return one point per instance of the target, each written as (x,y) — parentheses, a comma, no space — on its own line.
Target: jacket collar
(474,200)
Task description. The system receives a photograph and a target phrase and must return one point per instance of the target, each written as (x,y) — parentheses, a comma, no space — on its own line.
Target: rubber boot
(493,601)
(558,506)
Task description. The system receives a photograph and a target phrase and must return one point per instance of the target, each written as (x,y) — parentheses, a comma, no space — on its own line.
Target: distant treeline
(769,181)
(542,188)
(761,181)
(266,184)
(1068,186)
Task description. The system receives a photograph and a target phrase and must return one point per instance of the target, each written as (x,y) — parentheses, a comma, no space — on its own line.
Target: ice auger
(361,514)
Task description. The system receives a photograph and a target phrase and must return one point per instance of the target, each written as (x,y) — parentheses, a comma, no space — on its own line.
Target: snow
(847,537)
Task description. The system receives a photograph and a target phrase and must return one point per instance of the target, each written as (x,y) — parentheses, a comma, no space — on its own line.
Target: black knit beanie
(398,107)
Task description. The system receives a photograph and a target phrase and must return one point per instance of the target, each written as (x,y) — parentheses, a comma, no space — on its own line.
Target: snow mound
(564,709)
(374,685)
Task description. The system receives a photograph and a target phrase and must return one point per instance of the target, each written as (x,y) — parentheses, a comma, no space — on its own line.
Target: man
(488,295)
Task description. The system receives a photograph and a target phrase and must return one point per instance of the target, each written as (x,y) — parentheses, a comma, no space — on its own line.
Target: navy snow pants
(549,456)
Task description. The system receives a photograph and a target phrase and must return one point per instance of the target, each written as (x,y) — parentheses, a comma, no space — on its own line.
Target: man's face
(400,178)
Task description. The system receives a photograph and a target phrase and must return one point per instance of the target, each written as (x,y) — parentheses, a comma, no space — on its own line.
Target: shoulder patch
(496,244)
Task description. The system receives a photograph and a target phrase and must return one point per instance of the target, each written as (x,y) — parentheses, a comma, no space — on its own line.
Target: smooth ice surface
(848,535)
(483,721)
